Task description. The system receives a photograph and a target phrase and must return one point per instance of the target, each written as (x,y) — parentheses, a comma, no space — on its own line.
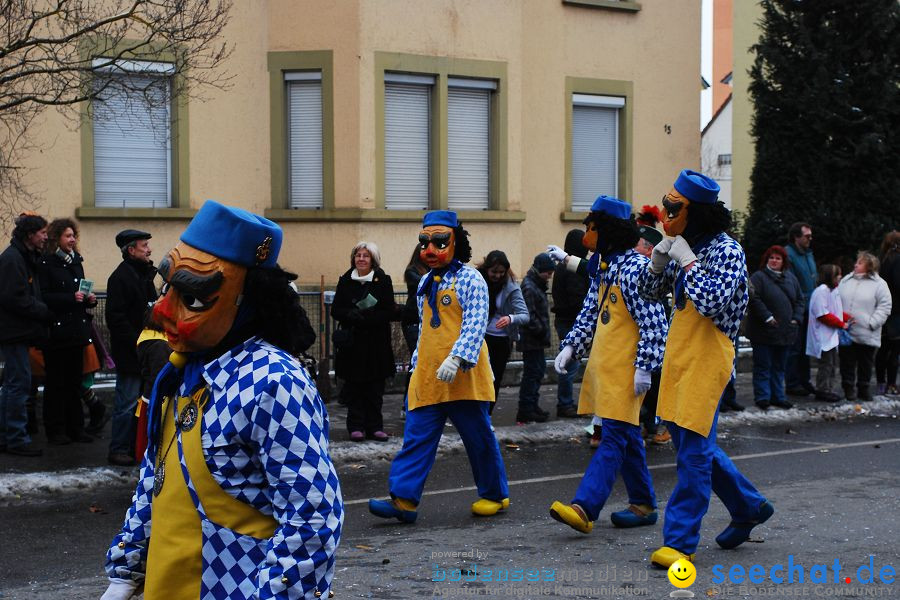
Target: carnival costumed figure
(706,271)
(629,336)
(451,376)
(237,496)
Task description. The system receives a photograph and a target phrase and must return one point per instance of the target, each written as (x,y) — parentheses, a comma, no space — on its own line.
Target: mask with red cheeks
(200,298)
(675,214)
(437,244)
(589,239)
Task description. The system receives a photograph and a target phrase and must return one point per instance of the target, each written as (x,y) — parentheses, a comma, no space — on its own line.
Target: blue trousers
(421,436)
(14,395)
(703,466)
(769,363)
(621,448)
(128,389)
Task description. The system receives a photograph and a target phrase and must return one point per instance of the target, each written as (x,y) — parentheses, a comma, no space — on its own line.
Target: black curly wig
(613,235)
(706,219)
(463,250)
(273,312)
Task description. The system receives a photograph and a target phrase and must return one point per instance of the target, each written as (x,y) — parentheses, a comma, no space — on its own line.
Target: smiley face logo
(682,573)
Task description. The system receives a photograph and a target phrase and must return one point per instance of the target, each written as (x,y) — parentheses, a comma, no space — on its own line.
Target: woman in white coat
(867,298)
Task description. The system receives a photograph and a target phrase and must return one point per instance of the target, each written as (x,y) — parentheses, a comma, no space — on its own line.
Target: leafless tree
(60,54)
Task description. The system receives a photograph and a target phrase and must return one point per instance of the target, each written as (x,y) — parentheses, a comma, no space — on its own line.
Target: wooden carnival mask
(437,245)
(200,299)
(675,214)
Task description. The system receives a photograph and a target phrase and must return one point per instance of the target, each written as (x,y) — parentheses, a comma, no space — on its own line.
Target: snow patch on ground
(16,488)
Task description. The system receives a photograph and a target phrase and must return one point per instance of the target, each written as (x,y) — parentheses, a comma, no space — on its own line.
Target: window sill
(93,212)
(573,217)
(353,215)
(626,5)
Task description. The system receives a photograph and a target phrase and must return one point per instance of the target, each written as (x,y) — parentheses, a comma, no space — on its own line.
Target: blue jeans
(565,382)
(533,367)
(14,395)
(128,388)
(769,364)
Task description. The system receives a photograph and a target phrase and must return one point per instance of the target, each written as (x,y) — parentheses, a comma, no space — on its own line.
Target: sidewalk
(71,458)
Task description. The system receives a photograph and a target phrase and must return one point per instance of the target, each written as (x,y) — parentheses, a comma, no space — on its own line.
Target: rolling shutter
(468,145)
(407,142)
(304,98)
(132,144)
(595,148)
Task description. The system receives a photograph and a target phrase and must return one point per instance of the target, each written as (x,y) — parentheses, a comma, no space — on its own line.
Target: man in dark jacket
(129,291)
(568,290)
(24,321)
(534,336)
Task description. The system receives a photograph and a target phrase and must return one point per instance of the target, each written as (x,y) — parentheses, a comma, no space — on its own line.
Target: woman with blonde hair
(364,306)
(867,298)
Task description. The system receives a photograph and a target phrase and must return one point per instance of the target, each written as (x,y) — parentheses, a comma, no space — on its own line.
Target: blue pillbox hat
(235,235)
(697,187)
(612,206)
(446,218)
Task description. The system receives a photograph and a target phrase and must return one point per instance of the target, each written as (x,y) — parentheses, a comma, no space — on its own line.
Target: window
(304,144)
(407,141)
(132,137)
(301,134)
(468,143)
(724,159)
(440,137)
(595,148)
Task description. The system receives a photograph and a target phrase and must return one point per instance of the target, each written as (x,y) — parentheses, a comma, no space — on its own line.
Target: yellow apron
(607,389)
(174,564)
(696,368)
(435,345)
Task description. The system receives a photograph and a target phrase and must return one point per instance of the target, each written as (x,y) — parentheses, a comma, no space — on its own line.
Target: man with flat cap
(130,291)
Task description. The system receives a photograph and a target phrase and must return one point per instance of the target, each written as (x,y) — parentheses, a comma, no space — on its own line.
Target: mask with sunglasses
(437,245)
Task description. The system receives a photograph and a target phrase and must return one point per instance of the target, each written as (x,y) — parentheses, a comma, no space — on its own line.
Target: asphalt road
(835,486)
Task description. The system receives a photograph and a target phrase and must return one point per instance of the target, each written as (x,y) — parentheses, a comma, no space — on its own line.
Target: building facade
(345,119)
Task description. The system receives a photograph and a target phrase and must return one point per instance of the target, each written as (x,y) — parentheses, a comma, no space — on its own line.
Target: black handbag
(342,338)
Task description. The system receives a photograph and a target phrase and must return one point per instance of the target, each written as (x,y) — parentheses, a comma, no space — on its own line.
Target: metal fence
(318,309)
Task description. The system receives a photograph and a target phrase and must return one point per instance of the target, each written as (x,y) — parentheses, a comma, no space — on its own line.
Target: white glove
(557,253)
(563,358)
(447,370)
(641,381)
(659,258)
(681,252)
(120,589)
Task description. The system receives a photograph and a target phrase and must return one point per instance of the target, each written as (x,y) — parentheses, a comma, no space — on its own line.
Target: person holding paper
(364,305)
(68,295)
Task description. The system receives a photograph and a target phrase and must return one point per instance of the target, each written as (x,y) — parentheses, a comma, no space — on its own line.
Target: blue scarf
(429,286)
(168,383)
(680,300)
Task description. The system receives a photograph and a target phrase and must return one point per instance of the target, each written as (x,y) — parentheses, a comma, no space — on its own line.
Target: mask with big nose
(201,297)
(675,213)
(437,244)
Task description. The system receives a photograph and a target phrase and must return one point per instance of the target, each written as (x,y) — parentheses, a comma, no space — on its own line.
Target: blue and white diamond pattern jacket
(717,284)
(265,441)
(472,292)
(650,316)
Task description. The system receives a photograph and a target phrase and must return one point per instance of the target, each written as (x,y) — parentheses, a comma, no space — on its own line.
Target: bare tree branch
(62,53)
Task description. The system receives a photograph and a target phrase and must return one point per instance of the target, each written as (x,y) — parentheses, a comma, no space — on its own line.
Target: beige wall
(746,33)
(541,41)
